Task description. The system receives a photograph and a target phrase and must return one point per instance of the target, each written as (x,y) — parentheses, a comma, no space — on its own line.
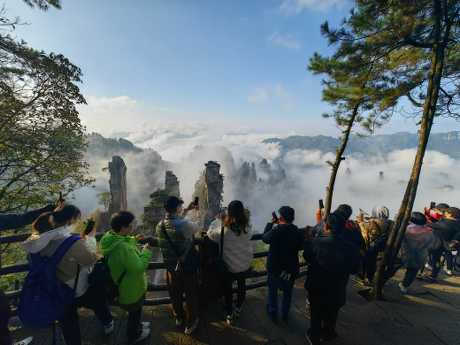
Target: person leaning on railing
(285,240)
(176,239)
(11,222)
(232,232)
(128,265)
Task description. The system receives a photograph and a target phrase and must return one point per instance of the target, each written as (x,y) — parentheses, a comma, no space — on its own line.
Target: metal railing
(253,274)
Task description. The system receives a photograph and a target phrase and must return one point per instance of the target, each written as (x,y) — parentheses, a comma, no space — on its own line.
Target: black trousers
(436,260)
(133,326)
(323,316)
(409,276)
(228,279)
(94,299)
(5,336)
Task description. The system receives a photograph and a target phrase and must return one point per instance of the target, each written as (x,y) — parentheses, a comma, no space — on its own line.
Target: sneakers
(229,319)
(26,341)
(190,329)
(146,324)
(402,288)
(449,272)
(108,329)
(179,322)
(428,266)
(145,333)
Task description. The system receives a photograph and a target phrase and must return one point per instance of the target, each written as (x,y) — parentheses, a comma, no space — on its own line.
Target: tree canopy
(42,140)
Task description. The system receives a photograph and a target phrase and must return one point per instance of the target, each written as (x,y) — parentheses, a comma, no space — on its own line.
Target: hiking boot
(190,329)
(402,288)
(108,329)
(144,334)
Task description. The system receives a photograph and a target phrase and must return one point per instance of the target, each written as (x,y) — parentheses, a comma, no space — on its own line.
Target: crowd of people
(96,275)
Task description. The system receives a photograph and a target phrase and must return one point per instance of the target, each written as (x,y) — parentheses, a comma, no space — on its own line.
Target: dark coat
(14,221)
(446,229)
(330,261)
(285,240)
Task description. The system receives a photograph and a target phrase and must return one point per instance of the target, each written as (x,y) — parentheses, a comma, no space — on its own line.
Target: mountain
(448,143)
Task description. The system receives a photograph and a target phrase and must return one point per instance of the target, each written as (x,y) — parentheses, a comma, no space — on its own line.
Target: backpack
(44,298)
(100,276)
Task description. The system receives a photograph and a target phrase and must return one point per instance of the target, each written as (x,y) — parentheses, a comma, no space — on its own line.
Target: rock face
(154,212)
(209,189)
(118,188)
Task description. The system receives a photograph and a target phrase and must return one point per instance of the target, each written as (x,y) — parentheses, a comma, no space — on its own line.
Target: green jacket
(123,255)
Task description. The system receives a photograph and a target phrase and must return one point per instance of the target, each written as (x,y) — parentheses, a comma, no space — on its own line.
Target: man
(330,260)
(176,238)
(446,229)
(285,241)
(10,222)
(127,266)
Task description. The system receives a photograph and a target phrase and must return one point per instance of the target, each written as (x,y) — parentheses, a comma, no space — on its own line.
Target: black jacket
(330,261)
(285,240)
(14,221)
(446,229)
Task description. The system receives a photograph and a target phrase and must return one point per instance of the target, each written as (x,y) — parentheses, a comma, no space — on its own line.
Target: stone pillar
(209,189)
(118,188)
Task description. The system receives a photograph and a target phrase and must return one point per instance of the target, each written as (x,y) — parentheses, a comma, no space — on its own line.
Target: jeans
(409,276)
(93,299)
(276,283)
(133,325)
(180,283)
(323,317)
(228,279)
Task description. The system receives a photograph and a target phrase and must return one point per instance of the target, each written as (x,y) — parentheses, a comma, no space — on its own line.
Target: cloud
(284,40)
(275,94)
(296,6)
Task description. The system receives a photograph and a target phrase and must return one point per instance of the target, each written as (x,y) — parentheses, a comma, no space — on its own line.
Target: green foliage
(384,53)
(42,140)
(104,200)
(43,4)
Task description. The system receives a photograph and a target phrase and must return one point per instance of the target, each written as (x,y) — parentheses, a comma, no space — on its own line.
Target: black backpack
(101,277)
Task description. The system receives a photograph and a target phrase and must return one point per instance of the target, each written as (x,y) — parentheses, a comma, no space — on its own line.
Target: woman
(419,239)
(49,231)
(375,232)
(128,264)
(237,253)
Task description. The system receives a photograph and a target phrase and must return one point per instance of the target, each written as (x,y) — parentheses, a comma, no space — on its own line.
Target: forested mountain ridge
(447,143)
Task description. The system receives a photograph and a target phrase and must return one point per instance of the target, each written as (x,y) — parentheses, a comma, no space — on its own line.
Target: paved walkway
(429,316)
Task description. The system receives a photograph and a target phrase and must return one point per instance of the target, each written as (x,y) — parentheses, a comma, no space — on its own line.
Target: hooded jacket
(78,255)
(418,241)
(123,255)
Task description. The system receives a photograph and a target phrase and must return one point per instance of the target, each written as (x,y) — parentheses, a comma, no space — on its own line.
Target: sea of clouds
(185,148)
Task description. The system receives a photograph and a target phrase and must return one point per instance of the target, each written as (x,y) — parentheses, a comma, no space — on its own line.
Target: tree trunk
(338,159)
(429,110)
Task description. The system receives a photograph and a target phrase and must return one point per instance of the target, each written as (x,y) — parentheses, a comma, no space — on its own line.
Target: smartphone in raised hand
(321,204)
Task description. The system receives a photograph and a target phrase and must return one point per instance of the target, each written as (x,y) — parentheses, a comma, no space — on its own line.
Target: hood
(111,239)
(37,242)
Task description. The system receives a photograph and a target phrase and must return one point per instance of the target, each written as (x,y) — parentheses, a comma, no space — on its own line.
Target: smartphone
(432,205)
(89,226)
(321,204)
(274,216)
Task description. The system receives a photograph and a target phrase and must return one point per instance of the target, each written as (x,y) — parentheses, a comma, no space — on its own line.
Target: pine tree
(414,46)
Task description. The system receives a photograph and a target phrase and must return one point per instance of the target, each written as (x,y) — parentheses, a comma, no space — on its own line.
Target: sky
(236,64)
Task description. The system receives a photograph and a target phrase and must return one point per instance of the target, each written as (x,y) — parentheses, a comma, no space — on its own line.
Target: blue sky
(239,61)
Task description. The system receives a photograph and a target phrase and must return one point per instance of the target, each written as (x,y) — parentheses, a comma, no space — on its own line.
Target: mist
(305,174)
